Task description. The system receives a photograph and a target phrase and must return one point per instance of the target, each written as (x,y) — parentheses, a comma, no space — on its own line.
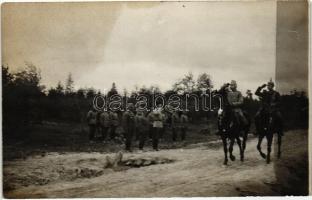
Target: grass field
(65,137)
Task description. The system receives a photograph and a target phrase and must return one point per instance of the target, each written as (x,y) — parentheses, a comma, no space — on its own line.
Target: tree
(59,88)
(58,91)
(112,91)
(81,93)
(7,78)
(69,87)
(29,78)
(185,85)
(154,89)
(90,93)
(7,101)
(22,99)
(204,82)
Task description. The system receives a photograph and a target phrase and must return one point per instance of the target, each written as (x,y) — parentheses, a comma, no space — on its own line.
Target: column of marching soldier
(138,125)
(144,124)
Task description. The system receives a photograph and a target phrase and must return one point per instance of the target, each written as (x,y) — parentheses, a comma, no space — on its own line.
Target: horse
(266,127)
(229,128)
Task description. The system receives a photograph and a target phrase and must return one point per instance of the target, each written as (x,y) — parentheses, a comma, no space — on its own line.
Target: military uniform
(91,118)
(157,120)
(150,119)
(235,101)
(113,123)
(184,121)
(142,128)
(128,121)
(175,125)
(104,123)
(270,101)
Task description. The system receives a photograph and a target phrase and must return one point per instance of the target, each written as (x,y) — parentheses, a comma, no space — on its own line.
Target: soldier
(151,129)
(98,127)
(183,121)
(128,120)
(104,123)
(136,129)
(235,101)
(270,101)
(113,123)
(157,118)
(175,125)
(142,128)
(91,119)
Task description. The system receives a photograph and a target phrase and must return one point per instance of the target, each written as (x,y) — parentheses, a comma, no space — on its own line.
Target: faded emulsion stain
(292,69)
(292,45)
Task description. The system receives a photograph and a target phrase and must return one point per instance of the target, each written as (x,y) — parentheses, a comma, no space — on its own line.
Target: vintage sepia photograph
(155,99)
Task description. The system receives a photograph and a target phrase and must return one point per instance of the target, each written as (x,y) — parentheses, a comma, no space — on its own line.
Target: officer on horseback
(235,101)
(231,120)
(270,102)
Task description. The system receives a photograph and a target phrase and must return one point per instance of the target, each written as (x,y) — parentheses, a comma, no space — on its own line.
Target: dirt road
(194,171)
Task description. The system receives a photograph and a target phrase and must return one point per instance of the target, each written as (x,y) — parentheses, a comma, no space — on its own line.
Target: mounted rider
(233,102)
(270,102)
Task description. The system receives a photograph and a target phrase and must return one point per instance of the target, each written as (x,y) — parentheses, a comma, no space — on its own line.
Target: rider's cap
(271,82)
(233,82)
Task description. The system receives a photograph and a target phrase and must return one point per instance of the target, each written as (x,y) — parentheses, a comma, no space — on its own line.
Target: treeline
(26,101)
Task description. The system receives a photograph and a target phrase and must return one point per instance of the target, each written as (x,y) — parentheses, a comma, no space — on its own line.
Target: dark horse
(229,128)
(266,127)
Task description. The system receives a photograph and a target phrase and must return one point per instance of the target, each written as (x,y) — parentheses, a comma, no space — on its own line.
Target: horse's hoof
(232,158)
(242,158)
(268,160)
(279,154)
(225,162)
(263,155)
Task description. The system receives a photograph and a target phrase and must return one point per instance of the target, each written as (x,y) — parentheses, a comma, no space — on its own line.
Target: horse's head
(220,115)
(222,121)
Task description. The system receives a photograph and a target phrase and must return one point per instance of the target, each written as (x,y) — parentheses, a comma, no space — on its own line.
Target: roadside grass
(73,137)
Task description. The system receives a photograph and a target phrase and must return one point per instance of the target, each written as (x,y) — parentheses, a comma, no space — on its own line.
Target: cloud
(158,45)
(143,43)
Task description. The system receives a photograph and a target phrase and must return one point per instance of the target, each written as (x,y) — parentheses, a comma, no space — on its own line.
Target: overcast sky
(142,43)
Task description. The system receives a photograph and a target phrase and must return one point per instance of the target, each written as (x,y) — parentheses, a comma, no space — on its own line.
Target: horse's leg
(261,136)
(269,139)
(241,151)
(232,157)
(245,139)
(224,141)
(279,143)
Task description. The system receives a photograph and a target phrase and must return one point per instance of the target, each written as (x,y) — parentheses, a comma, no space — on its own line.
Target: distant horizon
(104,90)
